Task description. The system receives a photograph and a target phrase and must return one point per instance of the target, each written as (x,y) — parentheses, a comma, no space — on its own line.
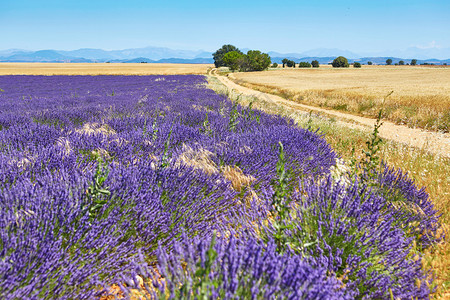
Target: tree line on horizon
(230,56)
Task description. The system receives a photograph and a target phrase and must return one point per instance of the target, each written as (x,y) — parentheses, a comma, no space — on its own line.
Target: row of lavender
(107,177)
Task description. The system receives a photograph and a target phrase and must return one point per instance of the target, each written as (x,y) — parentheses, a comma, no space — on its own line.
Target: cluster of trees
(290,63)
(231,57)
(304,64)
(342,62)
(401,62)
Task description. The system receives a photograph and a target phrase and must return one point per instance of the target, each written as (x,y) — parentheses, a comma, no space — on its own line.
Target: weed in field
(371,163)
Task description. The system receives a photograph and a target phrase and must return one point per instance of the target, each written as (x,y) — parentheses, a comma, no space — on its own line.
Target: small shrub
(304,64)
(356,65)
(369,63)
(275,65)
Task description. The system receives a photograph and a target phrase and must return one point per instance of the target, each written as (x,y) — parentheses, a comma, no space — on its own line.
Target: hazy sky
(284,26)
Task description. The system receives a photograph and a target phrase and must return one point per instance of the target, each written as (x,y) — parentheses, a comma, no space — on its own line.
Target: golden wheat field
(420,98)
(101,69)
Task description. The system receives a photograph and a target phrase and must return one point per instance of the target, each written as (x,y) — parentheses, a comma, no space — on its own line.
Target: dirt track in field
(434,142)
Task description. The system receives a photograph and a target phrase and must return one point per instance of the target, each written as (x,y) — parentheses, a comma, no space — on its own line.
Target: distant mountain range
(148,54)
(166,55)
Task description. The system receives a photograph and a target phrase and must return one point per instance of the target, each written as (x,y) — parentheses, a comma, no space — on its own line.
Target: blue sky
(284,26)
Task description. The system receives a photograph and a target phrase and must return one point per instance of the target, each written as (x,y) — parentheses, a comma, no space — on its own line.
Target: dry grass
(426,169)
(101,69)
(421,95)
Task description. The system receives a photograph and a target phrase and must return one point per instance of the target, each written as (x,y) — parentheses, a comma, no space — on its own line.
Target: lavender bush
(108,177)
(233,269)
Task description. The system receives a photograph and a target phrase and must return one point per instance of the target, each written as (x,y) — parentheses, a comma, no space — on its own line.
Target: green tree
(340,62)
(290,63)
(389,61)
(232,60)
(413,62)
(369,63)
(220,53)
(315,63)
(258,61)
(244,64)
(285,61)
(356,65)
(401,63)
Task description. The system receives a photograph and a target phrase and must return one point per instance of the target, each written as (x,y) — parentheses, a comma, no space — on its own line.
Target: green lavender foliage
(144,129)
(206,126)
(250,114)
(201,281)
(98,193)
(153,130)
(166,153)
(280,201)
(286,234)
(234,114)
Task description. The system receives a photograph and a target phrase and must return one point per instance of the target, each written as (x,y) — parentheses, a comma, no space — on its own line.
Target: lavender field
(160,186)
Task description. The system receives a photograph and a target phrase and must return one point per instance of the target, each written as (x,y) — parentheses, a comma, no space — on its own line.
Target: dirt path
(434,142)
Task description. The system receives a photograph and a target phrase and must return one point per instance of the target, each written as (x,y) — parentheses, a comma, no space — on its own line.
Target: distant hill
(87,53)
(165,60)
(166,55)
(187,61)
(38,56)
